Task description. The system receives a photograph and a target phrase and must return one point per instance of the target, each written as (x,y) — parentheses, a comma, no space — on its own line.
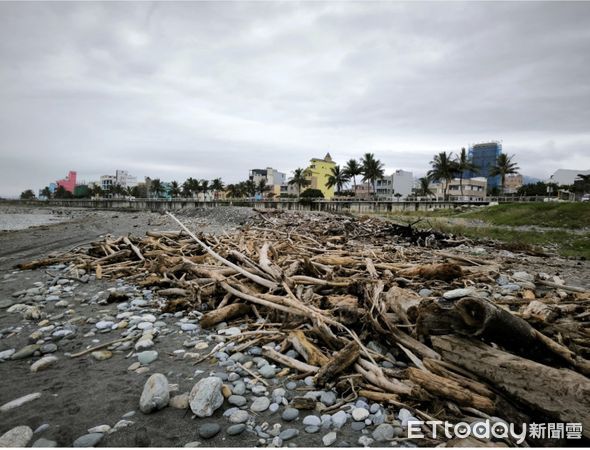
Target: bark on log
(288,361)
(444,272)
(305,348)
(339,362)
(224,314)
(450,389)
(559,393)
(404,303)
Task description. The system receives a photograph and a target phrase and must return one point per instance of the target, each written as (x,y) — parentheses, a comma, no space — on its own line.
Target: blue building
(484,157)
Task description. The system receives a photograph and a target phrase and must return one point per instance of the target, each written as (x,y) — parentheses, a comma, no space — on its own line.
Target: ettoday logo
(499,430)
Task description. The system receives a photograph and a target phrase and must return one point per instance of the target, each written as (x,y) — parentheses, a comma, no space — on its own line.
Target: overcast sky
(212,89)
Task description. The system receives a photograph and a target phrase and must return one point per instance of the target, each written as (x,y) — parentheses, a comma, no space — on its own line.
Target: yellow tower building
(318,172)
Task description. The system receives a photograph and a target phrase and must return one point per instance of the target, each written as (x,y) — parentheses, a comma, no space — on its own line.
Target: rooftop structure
(318,172)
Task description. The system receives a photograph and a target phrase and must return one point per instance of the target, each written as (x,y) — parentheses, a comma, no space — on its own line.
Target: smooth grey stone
(155,395)
(48,348)
(237,400)
(239,416)
(206,396)
(290,414)
(289,433)
(424,292)
(238,428)
(209,429)
(25,352)
(238,357)
(267,371)
(147,357)
(233,377)
(291,385)
(312,420)
(239,388)
(358,426)
(45,443)
(16,437)
(339,419)
(311,429)
(360,413)
(383,432)
(365,441)
(328,398)
(458,293)
(329,439)
(88,440)
(260,404)
(221,375)
(274,407)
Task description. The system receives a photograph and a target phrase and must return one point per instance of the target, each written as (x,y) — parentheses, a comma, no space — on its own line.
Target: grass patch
(563,242)
(559,215)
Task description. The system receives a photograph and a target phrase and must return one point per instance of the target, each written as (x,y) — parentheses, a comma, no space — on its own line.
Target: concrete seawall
(161,205)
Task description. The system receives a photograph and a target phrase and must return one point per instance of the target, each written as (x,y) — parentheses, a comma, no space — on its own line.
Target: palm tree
(96,191)
(156,187)
(174,189)
(233,191)
(443,169)
(337,178)
(262,187)
(46,192)
(504,166)
(351,170)
(464,164)
(299,179)
(424,188)
(217,186)
(205,188)
(250,188)
(186,188)
(372,169)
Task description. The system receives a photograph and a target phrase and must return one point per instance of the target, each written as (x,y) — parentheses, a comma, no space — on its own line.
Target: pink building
(69,182)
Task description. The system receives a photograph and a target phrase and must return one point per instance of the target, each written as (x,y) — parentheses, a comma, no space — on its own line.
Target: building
(124,179)
(107,182)
(512,183)
(273,178)
(318,173)
(484,157)
(474,189)
(69,182)
(399,182)
(566,177)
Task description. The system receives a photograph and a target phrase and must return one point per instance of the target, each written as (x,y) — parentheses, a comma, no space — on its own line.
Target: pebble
(88,440)
(267,371)
(19,401)
(365,441)
(339,419)
(239,388)
(189,327)
(147,357)
(192,444)
(43,363)
(48,348)
(405,416)
(179,401)
(233,430)
(155,395)
(360,414)
(329,438)
(237,400)
(289,433)
(274,407)
(312,420)
(260,404)
(311,429)
(358,426)
(239,416)
(291,385)
(16,437)
(290,414)
(328,398)
(209,429)
(104,325)
(458,293)
(25,352)
(44,443)
(41,428)
(424,292)
(7,353)
(101,355)
(100,429)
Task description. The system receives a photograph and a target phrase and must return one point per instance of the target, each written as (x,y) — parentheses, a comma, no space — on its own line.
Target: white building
(274,179)
(125,180)
(399,182)
(566,177)
(474,189)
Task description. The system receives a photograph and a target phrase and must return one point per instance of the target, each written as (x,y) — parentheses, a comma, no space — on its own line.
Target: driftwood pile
(339,290)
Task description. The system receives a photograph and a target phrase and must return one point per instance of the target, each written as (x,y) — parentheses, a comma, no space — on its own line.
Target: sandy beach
(78,394)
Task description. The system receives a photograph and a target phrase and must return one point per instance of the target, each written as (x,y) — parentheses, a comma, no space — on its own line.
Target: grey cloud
(212,89)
